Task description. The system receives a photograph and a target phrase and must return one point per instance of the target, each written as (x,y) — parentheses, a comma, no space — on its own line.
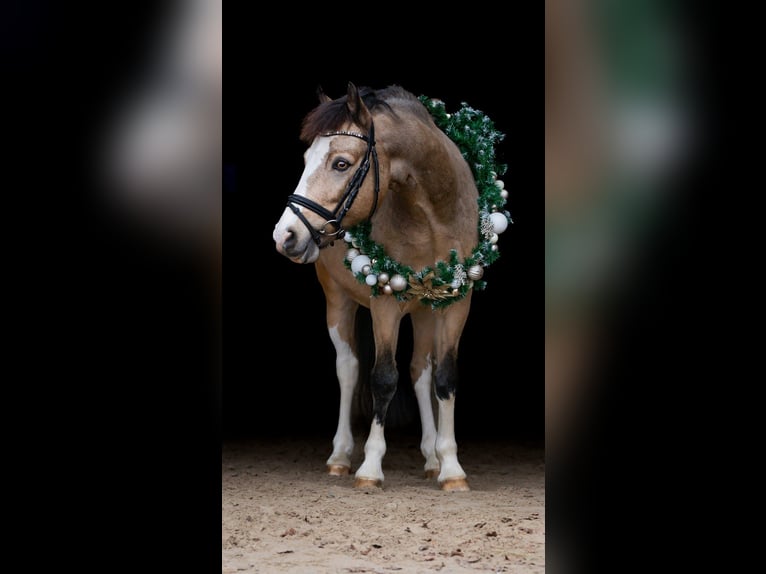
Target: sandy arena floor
(282,513)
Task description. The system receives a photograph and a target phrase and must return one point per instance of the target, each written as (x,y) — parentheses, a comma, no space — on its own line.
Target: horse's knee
(383,384)
(445,381)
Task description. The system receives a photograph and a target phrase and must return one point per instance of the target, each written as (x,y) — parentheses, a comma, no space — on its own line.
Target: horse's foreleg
(341,328)
(421,373)
(448,330)
(347,369)
(383,381)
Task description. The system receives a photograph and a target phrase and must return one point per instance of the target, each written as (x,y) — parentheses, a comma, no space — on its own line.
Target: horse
(420,209)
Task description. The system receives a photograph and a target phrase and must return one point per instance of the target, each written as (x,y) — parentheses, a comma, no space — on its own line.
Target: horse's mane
(330,116)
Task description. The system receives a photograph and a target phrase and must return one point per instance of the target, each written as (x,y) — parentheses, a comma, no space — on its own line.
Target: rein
(335,217)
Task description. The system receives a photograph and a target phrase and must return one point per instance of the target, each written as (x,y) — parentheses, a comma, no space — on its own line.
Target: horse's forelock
(332,115)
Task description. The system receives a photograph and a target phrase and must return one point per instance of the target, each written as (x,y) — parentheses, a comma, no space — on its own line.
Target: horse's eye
(340,164)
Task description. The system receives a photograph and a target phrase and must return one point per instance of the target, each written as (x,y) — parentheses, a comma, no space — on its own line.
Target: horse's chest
(337,280)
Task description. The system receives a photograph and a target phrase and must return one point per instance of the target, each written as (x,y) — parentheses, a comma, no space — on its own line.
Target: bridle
(335,217)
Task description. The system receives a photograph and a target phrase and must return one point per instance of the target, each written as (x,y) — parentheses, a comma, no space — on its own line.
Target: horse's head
(340,183)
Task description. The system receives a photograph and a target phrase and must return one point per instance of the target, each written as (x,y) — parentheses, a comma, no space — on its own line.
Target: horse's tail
(403,411)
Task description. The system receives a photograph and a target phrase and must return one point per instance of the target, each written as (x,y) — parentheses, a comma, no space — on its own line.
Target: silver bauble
(398,282)
(475,272)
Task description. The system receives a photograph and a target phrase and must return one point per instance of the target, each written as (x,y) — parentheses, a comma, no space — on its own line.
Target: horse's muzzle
(296,248)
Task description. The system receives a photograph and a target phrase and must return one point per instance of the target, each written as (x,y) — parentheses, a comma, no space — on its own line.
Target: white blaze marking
(314,157)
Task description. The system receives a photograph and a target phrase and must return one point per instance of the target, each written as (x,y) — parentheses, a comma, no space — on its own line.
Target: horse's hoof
(338,470)
(432,473)
(455,485)
(362,482)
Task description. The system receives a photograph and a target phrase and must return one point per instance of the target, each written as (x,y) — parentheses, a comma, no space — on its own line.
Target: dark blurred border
(633,454)
(114,367)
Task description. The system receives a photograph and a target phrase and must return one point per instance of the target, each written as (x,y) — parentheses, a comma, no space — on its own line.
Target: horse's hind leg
(449,327)
(340,324)
(421,373)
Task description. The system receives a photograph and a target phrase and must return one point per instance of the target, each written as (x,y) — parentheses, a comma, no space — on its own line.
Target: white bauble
(352,254)
(371,279)
(499,222)
(358,262)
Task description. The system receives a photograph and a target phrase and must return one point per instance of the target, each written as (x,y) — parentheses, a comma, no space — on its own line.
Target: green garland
(447,281)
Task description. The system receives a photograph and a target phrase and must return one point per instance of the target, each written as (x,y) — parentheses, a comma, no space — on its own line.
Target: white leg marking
(374,449)
(347,369)
(446,447)
(423,386)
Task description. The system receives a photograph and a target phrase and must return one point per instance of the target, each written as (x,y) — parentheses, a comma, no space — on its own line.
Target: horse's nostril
(289,243)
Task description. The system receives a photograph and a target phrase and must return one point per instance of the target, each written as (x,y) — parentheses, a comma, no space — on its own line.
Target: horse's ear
(323,98)
(356,106)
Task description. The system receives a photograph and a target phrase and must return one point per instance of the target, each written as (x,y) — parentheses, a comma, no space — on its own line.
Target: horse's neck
(429,178)
(431,197)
